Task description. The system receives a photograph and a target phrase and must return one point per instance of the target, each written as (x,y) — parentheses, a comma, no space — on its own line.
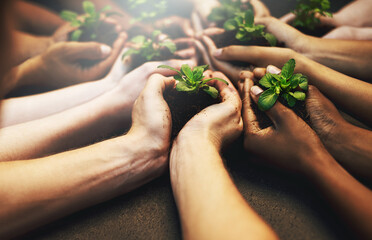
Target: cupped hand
(221,123)
(62,34)
(131,85)
(61,65)
(151,117)
(289,143)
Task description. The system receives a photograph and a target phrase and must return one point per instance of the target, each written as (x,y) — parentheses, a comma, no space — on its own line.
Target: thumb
(86,50)
(279,114)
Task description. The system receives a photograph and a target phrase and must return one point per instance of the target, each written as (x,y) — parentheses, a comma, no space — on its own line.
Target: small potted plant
(192,94)
(155,48)
(287,87)
(307,12)
(90,26)
(237,18)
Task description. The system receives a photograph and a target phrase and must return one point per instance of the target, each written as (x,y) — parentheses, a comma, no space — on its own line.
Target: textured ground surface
(289,205)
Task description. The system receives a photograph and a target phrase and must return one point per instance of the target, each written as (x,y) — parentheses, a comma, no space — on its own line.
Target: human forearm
(347,56)
(36,19)
(28,46)
(348,197)
(36,192)
(24,109)
(73,128)
(207,197)
(351,94)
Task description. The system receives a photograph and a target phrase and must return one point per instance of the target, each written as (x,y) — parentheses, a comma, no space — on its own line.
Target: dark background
(291,206)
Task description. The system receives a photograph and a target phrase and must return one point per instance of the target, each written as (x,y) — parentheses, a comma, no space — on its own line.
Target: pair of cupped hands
(290,140)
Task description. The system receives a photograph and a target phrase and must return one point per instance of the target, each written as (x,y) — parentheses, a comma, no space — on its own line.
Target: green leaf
(138,39)
(266,81)
(267,99)
(155,33)
(130,52)
(113,13)
(89,7)
(106,8)
(213,92)
(304,84)
(218,79)
(301,96)
(75,36)
(170,45)
(230,25)
(186,70)
(288,69)
(271,39)
(290,100)
(68,16)
(183,87)
(249,17)
(170,68)
(241,35)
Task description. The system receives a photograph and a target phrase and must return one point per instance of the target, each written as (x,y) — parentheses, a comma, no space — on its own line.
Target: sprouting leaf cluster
(146,10)
(150,48)
(89,22)
(307,10)
(243,24)
(227,10)
(288,85)
(192,80)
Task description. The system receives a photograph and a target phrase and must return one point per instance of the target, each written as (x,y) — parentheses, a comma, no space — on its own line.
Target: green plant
(287,84)
(149,48)
(227,10)
(307,10)
(88,23)
(192,80)
(146,10)
(243,23)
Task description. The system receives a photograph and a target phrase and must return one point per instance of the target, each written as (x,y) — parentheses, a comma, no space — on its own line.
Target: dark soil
(264,121)
(184,106)
(107,37)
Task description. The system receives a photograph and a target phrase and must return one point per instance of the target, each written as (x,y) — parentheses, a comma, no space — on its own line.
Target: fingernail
(217,52)
(105,50)
(256,90)
(273,70)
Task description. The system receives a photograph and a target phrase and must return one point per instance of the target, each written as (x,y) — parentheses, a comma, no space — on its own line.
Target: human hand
(255,55)
(218,124)
(130,86)
(62,34)
(151,119)
(61,66)
(175,23)
(291,142)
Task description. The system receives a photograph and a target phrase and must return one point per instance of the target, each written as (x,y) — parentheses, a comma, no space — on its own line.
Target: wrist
(28,73)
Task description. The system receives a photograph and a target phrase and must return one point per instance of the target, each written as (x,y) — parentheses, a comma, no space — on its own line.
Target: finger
(186,53)
(120,67)
(200,47)
(86,50)
(208,74)
(259,73)
(279,114)
(213,31)
(156,85)
(230,70)
(288,18)
(260,9)
(228,93)
(112,22)
(282,31)
(246,74)
(102,67)
(251,125)
(258,56)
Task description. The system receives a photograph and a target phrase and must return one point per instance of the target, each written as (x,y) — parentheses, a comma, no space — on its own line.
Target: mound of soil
(184,106)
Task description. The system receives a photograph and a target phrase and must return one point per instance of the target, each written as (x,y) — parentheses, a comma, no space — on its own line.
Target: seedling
(89,23)
(192,81)
(307,10)
(150,48)
(243,23)
(227,10)
(287,84)
(147,9)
